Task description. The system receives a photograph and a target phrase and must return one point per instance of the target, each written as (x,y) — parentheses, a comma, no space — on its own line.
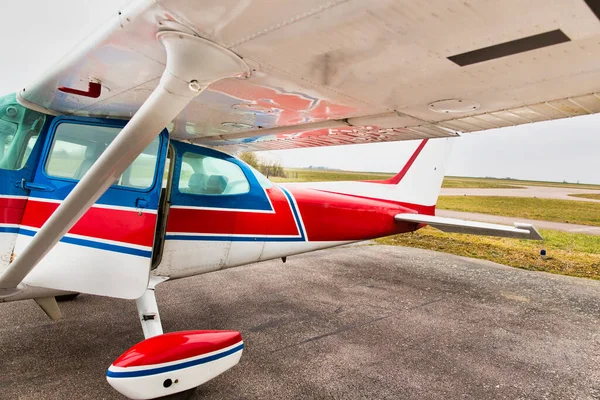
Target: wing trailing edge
(519,231)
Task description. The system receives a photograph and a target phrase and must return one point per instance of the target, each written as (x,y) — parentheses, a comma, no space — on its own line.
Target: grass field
(458,182)
(325,175)
(567,211)
(481,182)
(567,253)
(587,195)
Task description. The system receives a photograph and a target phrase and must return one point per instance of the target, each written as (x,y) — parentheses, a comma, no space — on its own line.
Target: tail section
(418,182)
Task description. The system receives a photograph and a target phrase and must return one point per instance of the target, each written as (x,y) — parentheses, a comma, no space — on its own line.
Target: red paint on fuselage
(326,216)
(236,222)
(11,210)
(338,217)
(125,226)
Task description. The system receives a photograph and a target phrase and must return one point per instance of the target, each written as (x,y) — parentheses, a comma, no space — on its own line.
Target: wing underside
(345,71)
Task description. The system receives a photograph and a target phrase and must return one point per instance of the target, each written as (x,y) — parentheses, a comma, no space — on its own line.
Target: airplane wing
(343,71)
(519,231)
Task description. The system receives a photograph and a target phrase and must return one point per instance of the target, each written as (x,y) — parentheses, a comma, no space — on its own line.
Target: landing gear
(162,364)
(148,310)
(171,365)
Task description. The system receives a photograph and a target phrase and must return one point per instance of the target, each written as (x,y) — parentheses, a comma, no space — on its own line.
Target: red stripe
(336,217)
(419,208)
(236,222)
(398,177)
(11,210)
(102,223)
(327,217)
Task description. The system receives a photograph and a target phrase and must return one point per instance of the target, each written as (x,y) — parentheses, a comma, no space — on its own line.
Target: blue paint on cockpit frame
(122,196)
(255,199)
(10,180)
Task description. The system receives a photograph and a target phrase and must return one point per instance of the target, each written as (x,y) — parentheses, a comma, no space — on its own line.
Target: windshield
(19,131)
(262,180)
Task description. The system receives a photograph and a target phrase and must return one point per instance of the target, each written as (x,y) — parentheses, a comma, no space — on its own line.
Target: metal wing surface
(345,71)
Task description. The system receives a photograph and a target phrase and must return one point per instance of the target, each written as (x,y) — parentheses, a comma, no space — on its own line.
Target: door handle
(33,186)
(141,203)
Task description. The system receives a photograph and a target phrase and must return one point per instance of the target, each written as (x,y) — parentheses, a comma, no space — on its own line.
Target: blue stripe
(9,229)
(294,211)
(234,238)
(96,245)
(160,370)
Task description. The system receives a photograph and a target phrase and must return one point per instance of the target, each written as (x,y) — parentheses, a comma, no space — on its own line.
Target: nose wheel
(171,365)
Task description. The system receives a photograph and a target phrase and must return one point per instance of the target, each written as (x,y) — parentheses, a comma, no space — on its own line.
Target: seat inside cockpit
(201,174)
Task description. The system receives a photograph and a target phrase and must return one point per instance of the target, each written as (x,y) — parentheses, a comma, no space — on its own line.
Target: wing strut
(192,64)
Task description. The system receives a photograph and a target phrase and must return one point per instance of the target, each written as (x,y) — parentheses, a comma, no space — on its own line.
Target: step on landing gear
(171,365)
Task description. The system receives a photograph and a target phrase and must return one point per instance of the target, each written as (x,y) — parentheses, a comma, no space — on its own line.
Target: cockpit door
(108,251)
(215,216)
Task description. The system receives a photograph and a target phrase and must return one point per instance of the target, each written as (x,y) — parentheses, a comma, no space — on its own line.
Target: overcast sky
(38,32)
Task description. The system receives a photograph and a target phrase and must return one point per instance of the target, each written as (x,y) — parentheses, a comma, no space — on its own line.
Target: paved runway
(541,192)
(362,322)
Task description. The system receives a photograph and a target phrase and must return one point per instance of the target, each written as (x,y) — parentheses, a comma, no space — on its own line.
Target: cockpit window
(213,176)
(76,147)
(264,182)
(19,130)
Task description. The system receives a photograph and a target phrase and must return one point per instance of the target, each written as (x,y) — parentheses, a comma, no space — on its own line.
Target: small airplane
(115,166)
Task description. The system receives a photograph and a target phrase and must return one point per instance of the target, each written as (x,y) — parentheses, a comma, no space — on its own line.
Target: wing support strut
(192,64)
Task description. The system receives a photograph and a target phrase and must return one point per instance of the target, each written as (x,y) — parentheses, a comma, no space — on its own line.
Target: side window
(19,130)
(213,176)
(66,158)
(76,147)
(28,149)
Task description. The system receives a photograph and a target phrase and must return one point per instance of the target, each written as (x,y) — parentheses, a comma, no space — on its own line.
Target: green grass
(567,211)
(567,253)
(457,182)
(593,196)
(326,175)
(480,182)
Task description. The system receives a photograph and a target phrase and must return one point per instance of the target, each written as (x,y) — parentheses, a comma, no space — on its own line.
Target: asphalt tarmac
(362,322)
(540,192)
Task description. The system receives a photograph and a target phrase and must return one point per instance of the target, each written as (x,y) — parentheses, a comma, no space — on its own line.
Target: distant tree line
(267,168)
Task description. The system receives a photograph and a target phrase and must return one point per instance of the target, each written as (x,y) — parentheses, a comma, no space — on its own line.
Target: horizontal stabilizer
(519,231)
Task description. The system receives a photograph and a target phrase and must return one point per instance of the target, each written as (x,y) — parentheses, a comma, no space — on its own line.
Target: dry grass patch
(567,253)
(567,211)
(593,196)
